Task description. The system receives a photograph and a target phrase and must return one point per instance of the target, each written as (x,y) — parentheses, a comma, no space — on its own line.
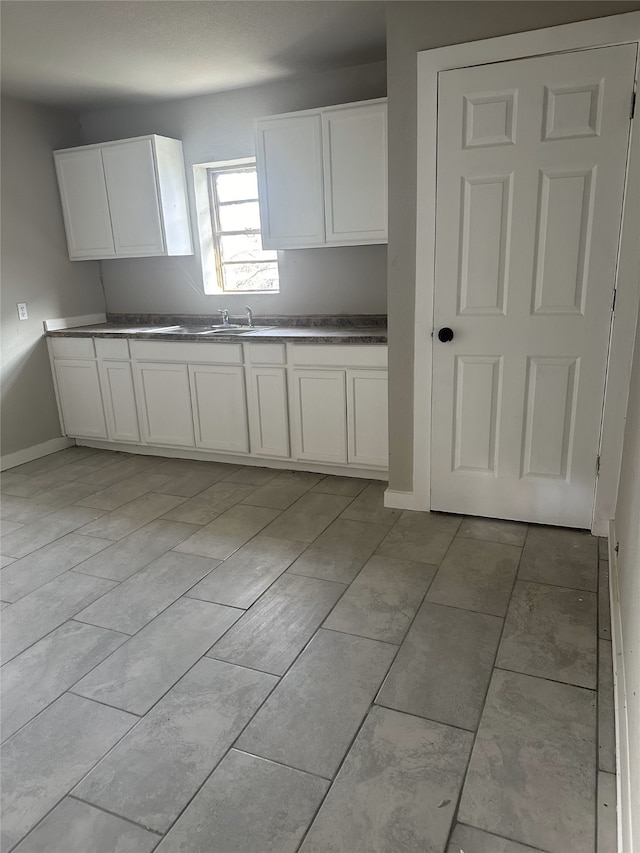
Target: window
(241,264)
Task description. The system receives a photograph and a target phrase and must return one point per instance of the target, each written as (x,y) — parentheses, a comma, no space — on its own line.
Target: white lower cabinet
(219,407)
(119,399)
(367,417)
(80,398)
(164,403)
(268,411)
(319,415)
(308,402)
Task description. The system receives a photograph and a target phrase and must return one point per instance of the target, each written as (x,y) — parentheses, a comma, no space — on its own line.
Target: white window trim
(206,240)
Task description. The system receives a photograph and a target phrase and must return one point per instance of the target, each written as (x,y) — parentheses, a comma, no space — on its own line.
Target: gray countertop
(266,334)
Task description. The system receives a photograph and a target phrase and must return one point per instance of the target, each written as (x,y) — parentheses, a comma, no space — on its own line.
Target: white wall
(35,269)
(627,527)
(220,127)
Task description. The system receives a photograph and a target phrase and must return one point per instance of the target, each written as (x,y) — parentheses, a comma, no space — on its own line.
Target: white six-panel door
(531,168)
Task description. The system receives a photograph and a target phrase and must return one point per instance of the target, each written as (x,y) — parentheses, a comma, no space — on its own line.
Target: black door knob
(445,334)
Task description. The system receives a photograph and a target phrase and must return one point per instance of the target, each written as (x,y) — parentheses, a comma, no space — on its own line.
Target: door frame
(601,32)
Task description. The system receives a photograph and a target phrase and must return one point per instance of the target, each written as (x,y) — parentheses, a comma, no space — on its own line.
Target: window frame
(217,232)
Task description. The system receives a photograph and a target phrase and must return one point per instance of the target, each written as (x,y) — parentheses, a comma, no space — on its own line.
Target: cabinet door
(367,409)
(130,172)
(119,399)
(268,411)
(85,207)
(80,398)
(289,163)
(219,407)
(164,403)
(355,173)
(319,415)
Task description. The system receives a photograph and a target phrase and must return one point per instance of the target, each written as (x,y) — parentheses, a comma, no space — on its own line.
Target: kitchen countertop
(337,330)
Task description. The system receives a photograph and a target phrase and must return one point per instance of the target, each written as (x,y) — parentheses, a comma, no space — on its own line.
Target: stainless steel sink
(205,330)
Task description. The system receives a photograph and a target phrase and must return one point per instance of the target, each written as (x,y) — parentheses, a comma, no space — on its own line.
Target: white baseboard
(623,779)
(403,500)
(35,452)
(233,459)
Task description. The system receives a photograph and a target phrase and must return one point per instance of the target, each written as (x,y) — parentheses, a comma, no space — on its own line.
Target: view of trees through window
(242,264)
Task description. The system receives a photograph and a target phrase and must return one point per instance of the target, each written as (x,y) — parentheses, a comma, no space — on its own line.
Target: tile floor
(209,658)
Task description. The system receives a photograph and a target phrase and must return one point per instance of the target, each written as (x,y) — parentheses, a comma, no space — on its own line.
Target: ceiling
(82,53)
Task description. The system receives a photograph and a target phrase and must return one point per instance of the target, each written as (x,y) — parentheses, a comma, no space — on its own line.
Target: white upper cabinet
(322,176)
(289,156)
(355,173)
(125,199)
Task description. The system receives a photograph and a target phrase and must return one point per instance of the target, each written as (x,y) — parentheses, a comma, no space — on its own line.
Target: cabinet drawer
(188,352)
(266,353)
(72,348)
(332,355)
(112,348)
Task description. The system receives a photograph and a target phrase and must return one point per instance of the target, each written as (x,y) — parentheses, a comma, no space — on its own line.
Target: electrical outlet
(22,311)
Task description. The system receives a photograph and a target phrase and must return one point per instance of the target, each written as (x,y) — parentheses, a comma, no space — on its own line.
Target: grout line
(506,838)
(114,814)
(274,761)
(428,719)
(546,678)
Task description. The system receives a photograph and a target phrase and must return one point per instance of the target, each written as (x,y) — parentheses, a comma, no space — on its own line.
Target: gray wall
(628,535)
(220,127)
(35,269)
(412,27)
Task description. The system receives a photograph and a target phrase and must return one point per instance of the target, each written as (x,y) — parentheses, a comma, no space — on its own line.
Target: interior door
(530,183)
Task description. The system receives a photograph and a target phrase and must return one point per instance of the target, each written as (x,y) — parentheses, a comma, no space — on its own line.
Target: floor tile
(307,517)
(607,841)
(134,603)
(125,467)
(535,748)
(29,487)
(248,805)
(606,713)
(124,491)
(349,486)
(557,556)
(379,803)
(551,632)
(603,548)
(142,670)
(283,490)
(45,564)
(7,527)
(210,503)
(250,476)
(63,494)
(468,839)
(75,827)
(44,760)
(278,626)
(382,600)
(420,536)
(43,672)
(175,747)
(443,668)
(604,605)
(230,531)
(369,506)
(124,520)
(121,559)
(50,462)
(12,482)
(191,482)
(312,716)
(341,551)
(476,576)
(21,511)
(6,561)
(40,612)
(39,533)
(243,577)
(493,530)
(4,604)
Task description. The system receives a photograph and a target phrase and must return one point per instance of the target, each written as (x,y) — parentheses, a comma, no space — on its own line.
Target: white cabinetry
(118,395)
(124,199)
(219,407)
(80,398)
(267,399)
(164,403)
(367,417)
(322,176)
(319,415)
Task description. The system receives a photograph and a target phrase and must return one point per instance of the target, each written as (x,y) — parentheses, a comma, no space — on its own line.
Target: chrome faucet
(224,314)
(249,316)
